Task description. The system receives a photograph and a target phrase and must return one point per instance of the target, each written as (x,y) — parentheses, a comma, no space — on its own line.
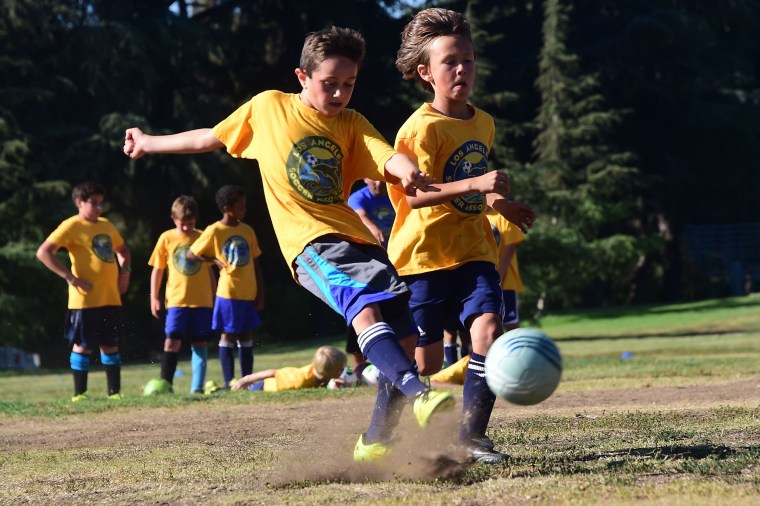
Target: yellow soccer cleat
(210,387)
(369,452)
(431,403)
(80,397)
(115,397)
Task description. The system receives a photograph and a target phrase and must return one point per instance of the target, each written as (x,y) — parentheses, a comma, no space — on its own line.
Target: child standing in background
(233,247)
(189,299)
(99,276)
(507,236)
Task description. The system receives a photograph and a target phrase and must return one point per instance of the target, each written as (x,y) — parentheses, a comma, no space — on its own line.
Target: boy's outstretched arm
(137,143)
(246,381)
(403,171)
(515,212)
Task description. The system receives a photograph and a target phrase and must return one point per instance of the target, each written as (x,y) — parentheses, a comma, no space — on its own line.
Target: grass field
(676,423)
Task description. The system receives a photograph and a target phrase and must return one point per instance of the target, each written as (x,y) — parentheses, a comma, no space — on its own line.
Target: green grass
(693,451)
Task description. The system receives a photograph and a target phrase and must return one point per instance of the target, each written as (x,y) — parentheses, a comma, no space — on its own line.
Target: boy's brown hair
(329,362)
(426,26)
(333,41)
(184,208)
(227,195)
(87,189)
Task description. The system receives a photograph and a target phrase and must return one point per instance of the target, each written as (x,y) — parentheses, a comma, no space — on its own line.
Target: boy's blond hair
(184,208)
(333,41)
(329,362)
(426,26)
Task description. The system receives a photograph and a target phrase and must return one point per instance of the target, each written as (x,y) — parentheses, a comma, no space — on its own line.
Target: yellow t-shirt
(505,233)
(454,374)
(291,378)
(188,282)
(308,162)
(236,247)
(91,251)
(447,235)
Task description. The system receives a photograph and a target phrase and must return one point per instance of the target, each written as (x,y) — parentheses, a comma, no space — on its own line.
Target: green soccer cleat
(210,387)
(431,403)
(115,397)
(369,452)
(80,397)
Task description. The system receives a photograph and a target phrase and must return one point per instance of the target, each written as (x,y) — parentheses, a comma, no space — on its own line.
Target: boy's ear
(424,72)
(302,75)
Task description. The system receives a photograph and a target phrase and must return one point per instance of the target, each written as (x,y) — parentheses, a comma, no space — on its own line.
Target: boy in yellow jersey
(507,236)
(437,243)
(190,288)
(454,374)
(328,363)
(99,276)
(310,150)
(233,247)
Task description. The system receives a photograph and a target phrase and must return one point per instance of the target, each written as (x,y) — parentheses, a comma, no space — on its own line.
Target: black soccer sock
(80,382)
(112,364)
(169,365)
(478,400)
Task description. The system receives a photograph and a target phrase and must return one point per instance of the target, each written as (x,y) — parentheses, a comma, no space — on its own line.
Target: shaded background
(631,126)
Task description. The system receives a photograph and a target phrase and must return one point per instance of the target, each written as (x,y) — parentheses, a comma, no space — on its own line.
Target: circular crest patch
(470,160)
(315,170)
(236,251)
(182,263)
(103,248)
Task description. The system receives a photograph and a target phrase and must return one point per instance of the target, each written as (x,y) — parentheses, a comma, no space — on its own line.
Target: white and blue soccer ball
(370,375)
(523,366)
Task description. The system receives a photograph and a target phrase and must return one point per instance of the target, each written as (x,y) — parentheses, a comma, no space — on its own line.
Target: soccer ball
(157,387)
(523,366)
(349,377)
(370,375)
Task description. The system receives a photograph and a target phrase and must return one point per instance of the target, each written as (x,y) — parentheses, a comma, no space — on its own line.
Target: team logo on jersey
(236,251)
(182,263)
(103,248)
(315,170)
(469,160)
(383,217)
(496,235)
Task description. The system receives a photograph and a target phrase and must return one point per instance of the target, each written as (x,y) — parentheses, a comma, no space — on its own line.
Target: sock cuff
(200,351)
(449,345)
(373,332)
(79,361)
(245,344)
(227,344)
(110,358)
(477,365)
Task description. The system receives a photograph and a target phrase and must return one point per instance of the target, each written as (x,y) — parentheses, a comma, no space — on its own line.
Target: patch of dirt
(331,427)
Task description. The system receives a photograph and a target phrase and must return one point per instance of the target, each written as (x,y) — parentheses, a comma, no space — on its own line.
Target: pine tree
(582,249)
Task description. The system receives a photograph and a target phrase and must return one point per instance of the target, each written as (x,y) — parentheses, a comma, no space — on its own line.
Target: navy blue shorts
(256,387)
(93,327)
(194,322)
(470,289)
(233,316)
(511,314)
(348,277)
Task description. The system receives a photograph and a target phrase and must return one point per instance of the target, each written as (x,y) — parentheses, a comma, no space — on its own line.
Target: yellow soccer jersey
(291,378)
(447,235)
(236,247)
(188,282)
(454,374)
(308,162)
(506,233)
(91,251)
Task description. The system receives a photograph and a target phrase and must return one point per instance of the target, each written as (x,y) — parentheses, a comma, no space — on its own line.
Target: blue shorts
(194,322)
(470,289)
(257,387)
(91,328)
(233,316)
(511,314)
(349,276)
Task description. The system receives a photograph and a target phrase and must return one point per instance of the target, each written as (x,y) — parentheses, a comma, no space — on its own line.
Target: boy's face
(185,226)
(238,209)
(330,86)
(90,209)
(376,187)
(451,70)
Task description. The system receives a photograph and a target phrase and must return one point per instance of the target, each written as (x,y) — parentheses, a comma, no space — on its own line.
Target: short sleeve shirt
(236,247)
(506,233)
(308,163)
(291,378)
(188,282)
(91,248)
